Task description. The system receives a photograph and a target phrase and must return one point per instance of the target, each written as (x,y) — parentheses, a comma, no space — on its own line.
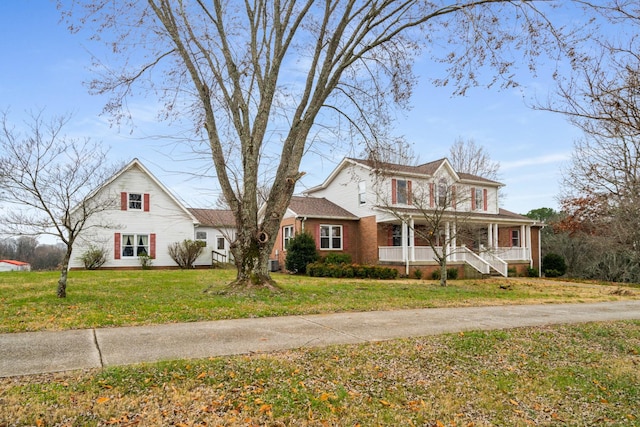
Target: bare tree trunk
(251,257)
(64,272)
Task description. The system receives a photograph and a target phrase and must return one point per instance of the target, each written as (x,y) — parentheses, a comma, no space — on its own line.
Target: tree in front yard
(265,79)
(46,183)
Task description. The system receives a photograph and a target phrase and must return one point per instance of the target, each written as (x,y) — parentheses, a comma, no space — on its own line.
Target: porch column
(412,239)
(454,243)
(405,252)
(447,238)
(490,236)
(528,244)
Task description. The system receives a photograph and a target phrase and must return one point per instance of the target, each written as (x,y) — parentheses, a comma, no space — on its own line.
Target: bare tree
(46,182)
(601,184)
(269,76)
(468,157)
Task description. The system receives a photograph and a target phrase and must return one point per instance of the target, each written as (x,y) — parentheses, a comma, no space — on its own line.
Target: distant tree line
(27,249)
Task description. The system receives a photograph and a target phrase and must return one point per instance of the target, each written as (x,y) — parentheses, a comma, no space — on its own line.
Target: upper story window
(362,193)
(479,199)
(135,201)
(400,192)
(330,237)
(442,193)
(287,235)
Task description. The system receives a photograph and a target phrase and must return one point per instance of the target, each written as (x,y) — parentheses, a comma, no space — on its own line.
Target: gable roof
(135,163)
(424,170)
(214,217)
(316,207)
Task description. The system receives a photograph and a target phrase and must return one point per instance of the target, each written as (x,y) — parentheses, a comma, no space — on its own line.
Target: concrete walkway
(42,352)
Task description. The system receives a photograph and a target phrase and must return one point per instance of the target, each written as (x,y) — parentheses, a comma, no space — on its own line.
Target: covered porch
(491,249)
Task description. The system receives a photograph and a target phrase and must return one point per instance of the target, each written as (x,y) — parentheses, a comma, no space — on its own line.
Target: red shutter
(409,193)
(484,194)
(146,202)
(432,196)
(116,245)
(123,201)
(316,230)
(473,199)
(152,245)
(394,195)
(390,236)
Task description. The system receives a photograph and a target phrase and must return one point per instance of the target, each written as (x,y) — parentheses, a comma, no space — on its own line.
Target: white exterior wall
(343,190)
(166,219)
(212,243)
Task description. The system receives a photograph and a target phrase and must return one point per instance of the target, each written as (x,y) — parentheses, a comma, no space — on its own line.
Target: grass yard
(573,375)
(28,301)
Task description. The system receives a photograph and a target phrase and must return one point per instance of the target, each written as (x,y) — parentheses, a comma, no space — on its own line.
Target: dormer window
(135,201)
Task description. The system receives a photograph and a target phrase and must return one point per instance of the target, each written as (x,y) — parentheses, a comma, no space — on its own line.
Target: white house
(148,218)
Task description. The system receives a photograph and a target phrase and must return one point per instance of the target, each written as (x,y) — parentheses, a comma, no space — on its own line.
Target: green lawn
(116,298)
(578,375)
(573,375)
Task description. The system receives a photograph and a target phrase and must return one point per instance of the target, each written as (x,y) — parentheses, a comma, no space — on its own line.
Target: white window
(442,193)
(479,199)
(362,193)
(515,238)
(135,245)
(330,237)
(287,235)
(201,236)
(220,243)
(401,191)
(135,201)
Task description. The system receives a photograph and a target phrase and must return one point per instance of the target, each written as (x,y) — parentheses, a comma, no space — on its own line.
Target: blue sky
(44,66)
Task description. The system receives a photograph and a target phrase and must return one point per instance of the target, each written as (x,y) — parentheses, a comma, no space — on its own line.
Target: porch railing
(498,264)
(468,256)
(513,253)
(483,263)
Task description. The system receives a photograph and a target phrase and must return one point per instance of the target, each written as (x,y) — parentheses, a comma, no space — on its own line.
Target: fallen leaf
(103,399)
(201,376)
(513,402)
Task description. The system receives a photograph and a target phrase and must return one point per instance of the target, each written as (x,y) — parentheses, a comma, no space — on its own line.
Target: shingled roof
(315,207)
(214,217)
(428,169)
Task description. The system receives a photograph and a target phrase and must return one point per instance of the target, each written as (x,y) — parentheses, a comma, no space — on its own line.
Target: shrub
(186,252)
(94,257)
(319,269)
(301,252)
(532,272)
(417,274)
(512,272)
(337,258)
(553,265)
(452,273)
(145,261)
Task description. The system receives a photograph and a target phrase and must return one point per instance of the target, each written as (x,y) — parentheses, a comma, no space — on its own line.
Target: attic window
(135,201)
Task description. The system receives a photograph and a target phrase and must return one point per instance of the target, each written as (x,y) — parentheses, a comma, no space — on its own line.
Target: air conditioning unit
(274,265)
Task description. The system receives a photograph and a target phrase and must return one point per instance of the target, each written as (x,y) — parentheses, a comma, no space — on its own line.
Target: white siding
(212,243)
(166,219)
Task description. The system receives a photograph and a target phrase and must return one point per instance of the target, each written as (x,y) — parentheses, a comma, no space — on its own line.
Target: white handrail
(494,261)
(473,260)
